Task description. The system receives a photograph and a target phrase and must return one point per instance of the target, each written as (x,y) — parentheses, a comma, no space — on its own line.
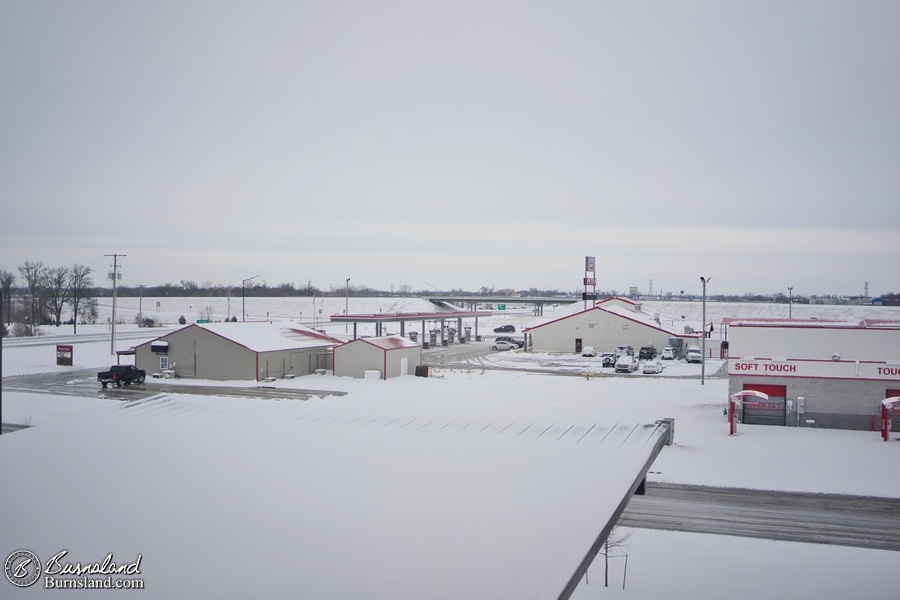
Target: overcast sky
(456,144)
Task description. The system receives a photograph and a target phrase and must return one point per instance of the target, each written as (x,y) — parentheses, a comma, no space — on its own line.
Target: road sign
(202,321)
(501,307)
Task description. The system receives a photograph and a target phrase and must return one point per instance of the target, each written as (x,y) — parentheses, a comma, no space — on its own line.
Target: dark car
(505,329)
(648,352)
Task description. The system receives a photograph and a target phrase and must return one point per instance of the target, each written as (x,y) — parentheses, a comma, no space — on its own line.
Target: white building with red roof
(605,325)
(237,351)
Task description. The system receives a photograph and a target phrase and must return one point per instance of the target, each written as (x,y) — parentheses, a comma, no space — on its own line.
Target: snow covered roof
(327,499)
(637,316)
(265,336)
(388,342)
(780,322)
(417,316)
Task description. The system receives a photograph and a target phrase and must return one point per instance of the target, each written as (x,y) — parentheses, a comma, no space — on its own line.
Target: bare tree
(617,540)
(88,310)
(56,287)
(79,282)
(7,282)
(190,287)
(32,273)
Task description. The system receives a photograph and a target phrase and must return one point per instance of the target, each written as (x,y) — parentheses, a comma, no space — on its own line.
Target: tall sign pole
(590,280)
(115,276)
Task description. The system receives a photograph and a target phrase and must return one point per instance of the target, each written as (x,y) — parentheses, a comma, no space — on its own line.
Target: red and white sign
(590,281)
(589,264)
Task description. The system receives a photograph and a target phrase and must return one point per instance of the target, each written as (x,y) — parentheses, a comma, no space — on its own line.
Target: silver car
(504,346)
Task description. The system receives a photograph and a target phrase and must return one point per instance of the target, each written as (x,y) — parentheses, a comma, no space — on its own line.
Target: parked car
(652,368)
(504,338)
(504,346)
(624,350)
(609,359)
(588,351)
(693,355)
(505,329)
(668,353)
(626,364)
(647,352)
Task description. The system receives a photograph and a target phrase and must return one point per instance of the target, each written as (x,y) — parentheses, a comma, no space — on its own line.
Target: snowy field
(660,564)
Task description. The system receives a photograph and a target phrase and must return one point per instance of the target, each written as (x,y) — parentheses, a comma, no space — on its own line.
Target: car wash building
(607,324)
(816,373)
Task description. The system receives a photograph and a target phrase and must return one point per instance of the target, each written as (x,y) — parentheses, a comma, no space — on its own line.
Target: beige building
(391,356)
(607,324)
(237,351)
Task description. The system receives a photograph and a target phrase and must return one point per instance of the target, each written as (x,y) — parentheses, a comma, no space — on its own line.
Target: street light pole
(704,280)
(790,302)
(243,301)
(347,303)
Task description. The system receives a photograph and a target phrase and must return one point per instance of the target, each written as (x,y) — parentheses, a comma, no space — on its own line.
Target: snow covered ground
(660,564)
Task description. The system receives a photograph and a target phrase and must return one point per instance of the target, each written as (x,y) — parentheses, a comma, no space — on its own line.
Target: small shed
(392,356)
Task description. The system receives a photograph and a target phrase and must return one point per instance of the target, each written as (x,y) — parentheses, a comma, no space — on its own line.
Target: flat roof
(397,317)
(327,499)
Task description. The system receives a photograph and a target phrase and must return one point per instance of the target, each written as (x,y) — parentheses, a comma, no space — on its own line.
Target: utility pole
(790,302)
(141,304)
(115,276)
(347,303)
(704,280)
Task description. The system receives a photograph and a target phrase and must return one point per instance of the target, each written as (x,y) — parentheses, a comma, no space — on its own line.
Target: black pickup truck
(122,375)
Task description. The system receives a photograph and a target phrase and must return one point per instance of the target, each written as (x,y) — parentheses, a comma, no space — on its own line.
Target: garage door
(768,412)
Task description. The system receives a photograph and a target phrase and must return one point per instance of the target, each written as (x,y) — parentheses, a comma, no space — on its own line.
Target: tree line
(39,295)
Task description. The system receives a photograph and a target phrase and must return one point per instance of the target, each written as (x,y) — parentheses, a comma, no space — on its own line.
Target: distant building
(391,356)
(237,351)
(828,373)
(607,324)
